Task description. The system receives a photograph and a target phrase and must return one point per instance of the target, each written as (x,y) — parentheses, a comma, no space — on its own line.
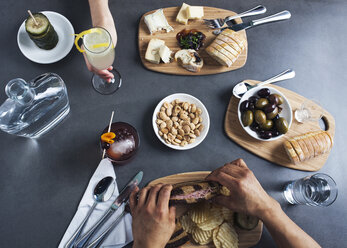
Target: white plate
(286,111)
(66,37)
(184,98)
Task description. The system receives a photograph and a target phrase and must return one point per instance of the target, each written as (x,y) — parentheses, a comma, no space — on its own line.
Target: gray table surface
(41,182)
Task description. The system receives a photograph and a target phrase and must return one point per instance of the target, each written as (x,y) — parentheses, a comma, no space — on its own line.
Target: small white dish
(184,98)
(65,32)
(286,113)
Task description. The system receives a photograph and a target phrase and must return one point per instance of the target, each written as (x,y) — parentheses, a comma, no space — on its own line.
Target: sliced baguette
(331,138)
(236,37)
(224,52)
(319,142)
(327,140)
(230,41)
(314,143)
(303,146)
(227,47)
(308,145)
(297,149)
(218,56)
(323,141)
(291,152)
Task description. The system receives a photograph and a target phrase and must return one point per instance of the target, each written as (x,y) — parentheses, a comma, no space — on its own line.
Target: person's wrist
(267,210)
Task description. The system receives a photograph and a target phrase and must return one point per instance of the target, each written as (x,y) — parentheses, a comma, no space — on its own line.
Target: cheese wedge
(157,21)
(152,52)
(182,16)
(195,12)
(218,56)
(165,54)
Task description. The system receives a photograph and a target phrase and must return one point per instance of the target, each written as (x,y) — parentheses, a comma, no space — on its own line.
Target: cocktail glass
(100,53)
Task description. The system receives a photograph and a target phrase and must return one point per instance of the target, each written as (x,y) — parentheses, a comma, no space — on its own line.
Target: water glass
(316,190)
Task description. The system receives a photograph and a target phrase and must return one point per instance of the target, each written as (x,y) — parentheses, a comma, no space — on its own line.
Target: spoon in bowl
(102,192)
(241,88)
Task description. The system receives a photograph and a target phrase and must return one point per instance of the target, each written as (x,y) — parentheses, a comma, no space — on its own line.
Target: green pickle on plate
(43,34)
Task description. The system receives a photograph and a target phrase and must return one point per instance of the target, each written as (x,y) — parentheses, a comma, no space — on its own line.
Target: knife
(122,197)
(281,16)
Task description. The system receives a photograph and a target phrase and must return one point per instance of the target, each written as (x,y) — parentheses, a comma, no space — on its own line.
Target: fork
(219,22)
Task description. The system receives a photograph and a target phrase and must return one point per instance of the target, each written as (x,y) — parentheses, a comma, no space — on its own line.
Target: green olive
(280,99)
(247,118)
(260,117)
(261,103)
(272,114)
(282,125)
(267,125)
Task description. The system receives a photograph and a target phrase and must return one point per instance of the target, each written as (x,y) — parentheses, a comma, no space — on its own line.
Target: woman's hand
(153,220)
(104,74)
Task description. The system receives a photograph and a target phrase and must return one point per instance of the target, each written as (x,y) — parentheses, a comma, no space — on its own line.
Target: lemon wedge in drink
(80,35)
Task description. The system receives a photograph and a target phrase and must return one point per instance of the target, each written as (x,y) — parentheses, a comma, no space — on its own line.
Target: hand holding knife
(122,197)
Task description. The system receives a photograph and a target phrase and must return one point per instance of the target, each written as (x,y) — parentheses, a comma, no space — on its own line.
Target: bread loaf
(227,47)
(308,145)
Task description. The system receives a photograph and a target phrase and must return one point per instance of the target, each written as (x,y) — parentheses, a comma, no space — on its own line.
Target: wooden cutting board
(210,65)
(273,151)
(246,238)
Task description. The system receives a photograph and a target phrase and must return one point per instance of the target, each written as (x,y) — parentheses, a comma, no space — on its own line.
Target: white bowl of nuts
(181,121)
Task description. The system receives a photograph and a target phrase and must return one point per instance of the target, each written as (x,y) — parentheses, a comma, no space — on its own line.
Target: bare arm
(102,17)
(248,196)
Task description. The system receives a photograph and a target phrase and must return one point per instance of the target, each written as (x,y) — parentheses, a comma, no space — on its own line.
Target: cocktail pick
(109,129)
(36,23)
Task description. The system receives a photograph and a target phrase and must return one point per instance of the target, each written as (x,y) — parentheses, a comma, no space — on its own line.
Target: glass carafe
(34,107)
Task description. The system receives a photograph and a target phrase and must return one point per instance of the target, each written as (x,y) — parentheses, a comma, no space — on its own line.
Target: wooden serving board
(273,151)
(210,65)
(246,238)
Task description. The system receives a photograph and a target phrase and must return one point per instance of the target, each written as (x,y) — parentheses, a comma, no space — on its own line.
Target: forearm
(102,17)
(283,230)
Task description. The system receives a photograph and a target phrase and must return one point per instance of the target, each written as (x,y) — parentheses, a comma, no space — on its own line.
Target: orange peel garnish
(80,35)
(108,137)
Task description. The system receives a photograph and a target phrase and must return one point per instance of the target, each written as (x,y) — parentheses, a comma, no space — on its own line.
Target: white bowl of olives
(265,113)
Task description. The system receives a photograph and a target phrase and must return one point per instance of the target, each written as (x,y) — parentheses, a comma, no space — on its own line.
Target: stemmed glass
(100,53)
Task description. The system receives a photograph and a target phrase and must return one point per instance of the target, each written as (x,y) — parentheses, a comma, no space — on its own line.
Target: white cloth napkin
(122,234)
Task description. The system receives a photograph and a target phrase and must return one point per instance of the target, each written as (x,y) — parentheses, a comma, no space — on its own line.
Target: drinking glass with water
(316,190)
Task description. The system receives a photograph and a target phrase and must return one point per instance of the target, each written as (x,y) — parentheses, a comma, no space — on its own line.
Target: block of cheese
(182,16)
(195,12)
(165,54)
(157,21)
(152,52)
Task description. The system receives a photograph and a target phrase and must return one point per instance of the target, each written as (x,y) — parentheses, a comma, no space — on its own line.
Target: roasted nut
(165,136)
(184,143)
(192,136)
(185,106)
(169,111)
(164,130)
(162,125)
(192,126)
(201,127)
(181,132)
(200,119)
(191,115)
(195,120)
(191,141)
(197,132)
(160,133)
(174,131)
(179,137)
(162,109)
(175,118)
(199,111)
(163,116)
(166,104)
(193,108)
(178,141)
(186,129)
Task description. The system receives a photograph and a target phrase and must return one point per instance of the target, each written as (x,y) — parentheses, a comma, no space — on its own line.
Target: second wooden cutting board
(210,65)
(246,238)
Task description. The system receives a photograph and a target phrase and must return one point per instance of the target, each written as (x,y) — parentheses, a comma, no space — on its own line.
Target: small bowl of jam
(124,145)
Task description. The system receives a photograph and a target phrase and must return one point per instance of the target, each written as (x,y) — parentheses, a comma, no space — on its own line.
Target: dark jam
(190,39)
(125,143)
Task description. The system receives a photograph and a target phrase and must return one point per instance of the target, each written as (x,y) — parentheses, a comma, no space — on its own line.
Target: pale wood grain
(273,151)
(246,238)
(210,65)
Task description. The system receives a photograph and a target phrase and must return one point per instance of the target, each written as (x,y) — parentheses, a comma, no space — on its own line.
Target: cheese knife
(281,16)
(122,197)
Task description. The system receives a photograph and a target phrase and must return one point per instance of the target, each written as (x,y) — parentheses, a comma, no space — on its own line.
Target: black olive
(273,99)
(244,105)
(280,109)
(253,99)
(276,117)
(105,145)
(265,134)
(251,106)
(197,58)
(255,127)
(269,108)
(263,92)
(275,133)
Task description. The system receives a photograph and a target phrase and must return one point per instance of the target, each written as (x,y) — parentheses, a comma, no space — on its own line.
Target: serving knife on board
(122,197)
(281,16)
